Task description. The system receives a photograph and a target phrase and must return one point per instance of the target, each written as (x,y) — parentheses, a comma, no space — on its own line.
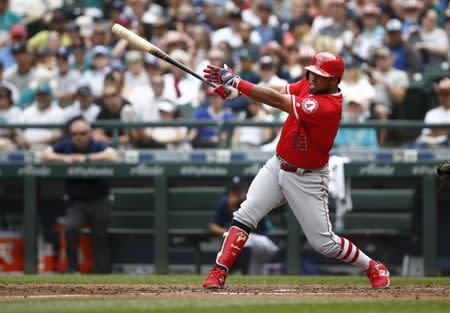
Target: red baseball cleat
(216,278)
(378,275)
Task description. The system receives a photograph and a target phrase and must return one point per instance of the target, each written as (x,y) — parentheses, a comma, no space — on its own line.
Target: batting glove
(226,92)
(221,75)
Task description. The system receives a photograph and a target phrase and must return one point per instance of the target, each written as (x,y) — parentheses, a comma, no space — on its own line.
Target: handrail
(117,124)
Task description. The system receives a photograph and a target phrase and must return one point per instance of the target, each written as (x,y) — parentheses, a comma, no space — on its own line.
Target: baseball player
(298,173)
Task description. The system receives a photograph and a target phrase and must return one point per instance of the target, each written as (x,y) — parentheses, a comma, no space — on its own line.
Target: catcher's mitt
(443,171)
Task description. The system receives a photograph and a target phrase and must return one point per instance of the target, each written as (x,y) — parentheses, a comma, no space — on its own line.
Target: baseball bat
(146,46)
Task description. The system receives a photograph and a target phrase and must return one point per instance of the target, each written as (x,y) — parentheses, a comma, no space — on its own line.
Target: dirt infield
(27,291)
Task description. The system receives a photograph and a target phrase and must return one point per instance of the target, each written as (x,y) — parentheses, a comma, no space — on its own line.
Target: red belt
(291,168)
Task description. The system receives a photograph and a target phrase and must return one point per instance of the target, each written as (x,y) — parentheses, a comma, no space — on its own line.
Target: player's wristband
(245,87)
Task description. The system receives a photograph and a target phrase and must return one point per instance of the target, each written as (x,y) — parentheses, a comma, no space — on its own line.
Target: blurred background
(178,145)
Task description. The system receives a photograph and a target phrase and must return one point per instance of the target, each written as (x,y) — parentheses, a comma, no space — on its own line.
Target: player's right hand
(221,75)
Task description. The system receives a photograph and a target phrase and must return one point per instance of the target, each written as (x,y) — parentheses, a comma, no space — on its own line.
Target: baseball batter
(298,173)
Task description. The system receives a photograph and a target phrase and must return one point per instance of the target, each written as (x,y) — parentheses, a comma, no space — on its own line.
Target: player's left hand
(221,75)
(227,92)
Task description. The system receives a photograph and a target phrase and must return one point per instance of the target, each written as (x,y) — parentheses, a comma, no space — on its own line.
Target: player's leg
(307,195)
(74,222)
(263,195)
(99,218)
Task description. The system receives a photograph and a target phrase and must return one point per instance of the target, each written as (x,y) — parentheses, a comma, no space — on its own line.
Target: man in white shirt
(83,106)
(42,111)
(9,114)
(135,75)
(67,78)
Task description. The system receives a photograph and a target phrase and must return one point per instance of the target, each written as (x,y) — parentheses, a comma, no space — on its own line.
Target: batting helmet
(327,65)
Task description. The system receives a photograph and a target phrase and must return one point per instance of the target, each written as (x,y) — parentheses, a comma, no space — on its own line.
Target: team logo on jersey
(310,105)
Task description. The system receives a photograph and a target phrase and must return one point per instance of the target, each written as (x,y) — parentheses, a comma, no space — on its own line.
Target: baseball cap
(133,56)
(100,50)
(18,48)
(84,90)
(236,183)
(18,30)
(266,62)
(43,88)
(245,55)
(63,52)
(394,25)
(166,106)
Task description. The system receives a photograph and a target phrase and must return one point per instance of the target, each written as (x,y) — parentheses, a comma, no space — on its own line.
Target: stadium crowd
(61,61)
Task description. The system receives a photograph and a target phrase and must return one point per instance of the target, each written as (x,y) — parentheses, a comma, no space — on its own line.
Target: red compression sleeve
(245,87)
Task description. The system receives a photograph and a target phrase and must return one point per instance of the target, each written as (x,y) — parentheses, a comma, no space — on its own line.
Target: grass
(218,304)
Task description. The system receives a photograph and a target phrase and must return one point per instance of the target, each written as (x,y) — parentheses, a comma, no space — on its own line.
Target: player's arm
(226,76)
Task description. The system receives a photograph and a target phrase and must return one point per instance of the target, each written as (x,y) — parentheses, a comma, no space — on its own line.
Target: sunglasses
(109,95)
(79,133)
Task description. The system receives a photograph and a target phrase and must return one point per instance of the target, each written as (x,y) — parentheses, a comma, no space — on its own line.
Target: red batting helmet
(327,65)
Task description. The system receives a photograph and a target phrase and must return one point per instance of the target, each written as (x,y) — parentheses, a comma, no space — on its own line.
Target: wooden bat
(146,46)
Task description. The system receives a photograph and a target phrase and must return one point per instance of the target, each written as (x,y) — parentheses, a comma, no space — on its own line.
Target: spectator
(9,114)
(67,78)
(406,57)
(186,86)
(269,77)
(11,87)
(209,137)
(18,35)
(437,137)
(79,62)
(373,33)
(135,75)
(7,20)
(113,109)
(246,34)
(42,111)
(95,76)
(161,137)
(87,201)
(21,74)
(338,27)
(355,84)
(354,111)
(253,137)
(144,99)
(390,84)
(259,246)
(411,11)
(431,40)
(57,24)
(247,67)
(390,87)
(83,106)
(267,31)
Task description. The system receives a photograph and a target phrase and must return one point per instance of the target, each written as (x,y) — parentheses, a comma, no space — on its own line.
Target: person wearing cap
(161,137)
(247,66)
(83,106)
(437,137)
(95,76)
(135,74)
(406,56)
(42,111)
(17,35)
(67,78)
(209,137)
(355,111)
(259,248)
(431,41)
(15,92)
(57,23)
(22,73)
(9,114)
(85,200)
(299,172)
